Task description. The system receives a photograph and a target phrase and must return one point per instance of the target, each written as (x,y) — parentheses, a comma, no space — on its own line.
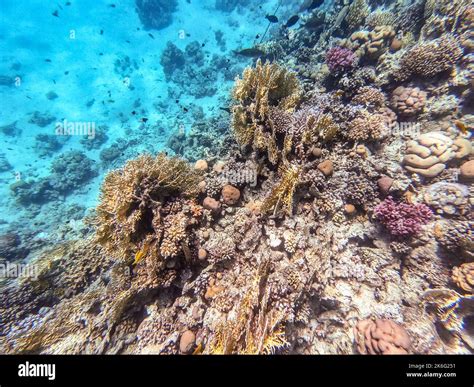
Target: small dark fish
(144,120)
(202,45)
(112,5)
(68,3)
(185,109)
(257,36)
(313,24)
(134,112)
(101,53)
(250,52)
(55,13)
(48,60)
(28,97)
(315,4)
(151,36)
(102,32)
(226,109)
(128,41)
(10,148)
(292,21)
(272,18)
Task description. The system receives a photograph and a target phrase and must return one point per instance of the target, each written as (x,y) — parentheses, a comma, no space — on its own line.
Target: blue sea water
(88,76)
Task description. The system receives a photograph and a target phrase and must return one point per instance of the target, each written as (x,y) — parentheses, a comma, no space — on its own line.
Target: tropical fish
(272,18)
(55,13)
(226,109)
(292,21)
(151,36)
(315,4)
(461,126)
(250,52)
(138,257)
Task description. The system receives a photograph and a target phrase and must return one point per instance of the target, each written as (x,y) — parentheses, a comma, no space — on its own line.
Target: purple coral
(340,59)
(402,219)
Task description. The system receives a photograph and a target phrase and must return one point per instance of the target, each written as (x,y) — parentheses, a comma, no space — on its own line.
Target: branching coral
(367,126)
(430,59)
(282,193)
(358,11)
(261,88)
(340,59)
(402,219)
(143,211)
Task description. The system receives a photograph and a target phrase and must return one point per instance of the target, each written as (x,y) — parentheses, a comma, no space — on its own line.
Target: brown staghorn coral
(381,337)
(261,88)
(143,212)
(282,194)
(430,59)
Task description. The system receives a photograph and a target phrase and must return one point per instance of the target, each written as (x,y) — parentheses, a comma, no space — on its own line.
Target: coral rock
(230,194)
(202,254)
(326,167)
(385,183)
(187,341)
(211,204)
(467,170)
(201,165)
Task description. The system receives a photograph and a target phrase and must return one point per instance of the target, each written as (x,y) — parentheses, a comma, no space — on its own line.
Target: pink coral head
(340,59)
(402,219)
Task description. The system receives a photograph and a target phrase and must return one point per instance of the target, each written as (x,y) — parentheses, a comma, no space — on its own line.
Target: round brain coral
(381,337)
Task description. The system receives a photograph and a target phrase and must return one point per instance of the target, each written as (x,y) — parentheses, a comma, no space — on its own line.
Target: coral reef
(155,14)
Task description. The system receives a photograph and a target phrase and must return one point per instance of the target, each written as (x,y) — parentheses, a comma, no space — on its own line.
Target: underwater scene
(236,177)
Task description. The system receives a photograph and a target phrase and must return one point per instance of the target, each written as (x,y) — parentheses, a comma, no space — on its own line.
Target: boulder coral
(408,101)
(381,337)
(429,154)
